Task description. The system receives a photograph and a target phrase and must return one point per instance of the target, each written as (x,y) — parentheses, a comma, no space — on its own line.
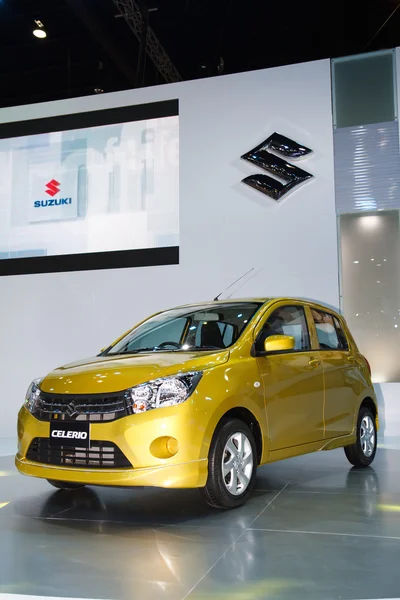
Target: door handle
(314,362)
(352,359)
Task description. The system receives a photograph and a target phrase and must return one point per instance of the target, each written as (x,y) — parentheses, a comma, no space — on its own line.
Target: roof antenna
(232,284)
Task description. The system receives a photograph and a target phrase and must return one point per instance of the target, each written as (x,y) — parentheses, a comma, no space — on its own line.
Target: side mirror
(279,343)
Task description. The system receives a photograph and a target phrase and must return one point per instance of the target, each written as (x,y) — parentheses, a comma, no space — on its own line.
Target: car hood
(105,374)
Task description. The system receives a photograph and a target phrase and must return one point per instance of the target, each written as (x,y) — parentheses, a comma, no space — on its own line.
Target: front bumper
(186,475)
(135,436)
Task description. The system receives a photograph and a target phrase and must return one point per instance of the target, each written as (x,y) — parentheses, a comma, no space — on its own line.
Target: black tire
(216,492)
(355,453)
(65,485)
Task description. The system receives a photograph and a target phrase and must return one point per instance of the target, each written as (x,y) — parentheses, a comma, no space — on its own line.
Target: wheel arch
(368,402)
(245,415)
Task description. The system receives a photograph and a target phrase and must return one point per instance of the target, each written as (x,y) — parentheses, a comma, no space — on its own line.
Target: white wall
(225,227)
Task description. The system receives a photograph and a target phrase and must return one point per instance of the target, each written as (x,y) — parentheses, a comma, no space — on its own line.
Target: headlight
(32,395)
(159,393)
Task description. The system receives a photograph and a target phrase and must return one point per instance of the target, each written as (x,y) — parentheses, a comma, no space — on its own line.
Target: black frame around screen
(97,260)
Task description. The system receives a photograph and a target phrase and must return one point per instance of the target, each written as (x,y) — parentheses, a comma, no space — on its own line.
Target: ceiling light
(39,30)
(39,33)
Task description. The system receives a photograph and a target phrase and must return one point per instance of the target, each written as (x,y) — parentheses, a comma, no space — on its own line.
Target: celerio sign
(76,435)
(72,434)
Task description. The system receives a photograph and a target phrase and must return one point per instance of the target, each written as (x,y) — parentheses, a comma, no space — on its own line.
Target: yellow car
(199,396)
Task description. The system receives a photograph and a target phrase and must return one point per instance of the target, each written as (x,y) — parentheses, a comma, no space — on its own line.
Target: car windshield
(203,327)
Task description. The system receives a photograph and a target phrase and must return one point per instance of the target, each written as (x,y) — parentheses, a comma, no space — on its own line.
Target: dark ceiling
(88,47)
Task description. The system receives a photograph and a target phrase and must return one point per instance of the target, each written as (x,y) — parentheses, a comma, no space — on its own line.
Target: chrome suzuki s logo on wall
(267,156)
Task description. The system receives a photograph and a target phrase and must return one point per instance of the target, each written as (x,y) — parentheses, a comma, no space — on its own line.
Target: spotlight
(39,33)
(39,30)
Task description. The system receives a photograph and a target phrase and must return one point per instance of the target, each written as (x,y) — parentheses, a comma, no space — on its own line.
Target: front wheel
(232,465)
(65,485)
(362,453)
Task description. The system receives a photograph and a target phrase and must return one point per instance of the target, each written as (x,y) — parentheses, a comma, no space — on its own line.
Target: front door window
(287,320)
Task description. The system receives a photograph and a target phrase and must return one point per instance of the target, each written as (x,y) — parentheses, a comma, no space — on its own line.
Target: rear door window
(344,345)
(329,331)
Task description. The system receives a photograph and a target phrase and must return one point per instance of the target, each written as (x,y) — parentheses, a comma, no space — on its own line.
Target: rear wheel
(232,465)
(65,485)
(362,453)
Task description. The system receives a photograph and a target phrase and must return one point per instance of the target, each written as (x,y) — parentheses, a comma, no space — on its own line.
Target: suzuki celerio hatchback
(199,396)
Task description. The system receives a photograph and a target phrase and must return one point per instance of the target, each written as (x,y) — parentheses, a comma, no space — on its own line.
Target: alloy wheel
(237,463)
(367,436)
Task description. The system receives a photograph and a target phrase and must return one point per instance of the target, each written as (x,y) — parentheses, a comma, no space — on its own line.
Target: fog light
(164,447)
(172,446)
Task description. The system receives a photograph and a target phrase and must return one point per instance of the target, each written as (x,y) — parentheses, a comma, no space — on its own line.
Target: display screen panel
(89,191)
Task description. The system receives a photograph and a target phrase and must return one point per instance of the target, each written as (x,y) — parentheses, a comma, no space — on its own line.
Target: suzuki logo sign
(71,409)
(271,156)
(52,188)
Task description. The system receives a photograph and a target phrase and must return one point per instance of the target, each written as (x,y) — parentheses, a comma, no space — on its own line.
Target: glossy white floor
(314,529)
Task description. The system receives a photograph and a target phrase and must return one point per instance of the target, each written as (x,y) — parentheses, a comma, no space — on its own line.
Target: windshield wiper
(156,349)
(137,351)
(206,348)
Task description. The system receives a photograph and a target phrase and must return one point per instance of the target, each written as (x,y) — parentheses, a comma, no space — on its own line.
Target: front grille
(81,407)
(100,455)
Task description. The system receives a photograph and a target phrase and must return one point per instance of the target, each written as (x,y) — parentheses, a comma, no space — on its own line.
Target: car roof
(265,300)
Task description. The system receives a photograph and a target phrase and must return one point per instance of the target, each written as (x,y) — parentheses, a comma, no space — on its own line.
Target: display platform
(314,529)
